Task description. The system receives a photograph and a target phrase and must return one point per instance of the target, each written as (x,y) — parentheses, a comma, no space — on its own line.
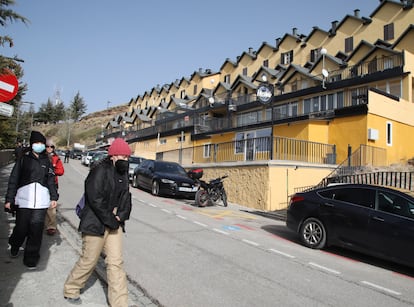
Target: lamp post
(265,93)
(325,73)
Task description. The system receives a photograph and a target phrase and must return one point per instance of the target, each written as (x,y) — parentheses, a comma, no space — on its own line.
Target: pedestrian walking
(31,190)
(50,219)
(67,154)
(107,206)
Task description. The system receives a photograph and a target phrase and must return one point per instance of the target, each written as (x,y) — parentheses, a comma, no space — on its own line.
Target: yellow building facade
(335,90)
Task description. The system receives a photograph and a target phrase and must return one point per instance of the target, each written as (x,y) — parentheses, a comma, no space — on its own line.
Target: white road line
(152,205)
(250,242)
(200,224)
(181,217)
(166,211)
(380,288)
(281,253)
(220,231)
(324,268)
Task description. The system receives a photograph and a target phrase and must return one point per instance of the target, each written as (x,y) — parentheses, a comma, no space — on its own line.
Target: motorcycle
(209,193)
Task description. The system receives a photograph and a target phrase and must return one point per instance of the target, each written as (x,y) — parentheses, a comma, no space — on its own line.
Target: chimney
(334,26)
(250,50)
(295,31)
(278,41)
(356,13)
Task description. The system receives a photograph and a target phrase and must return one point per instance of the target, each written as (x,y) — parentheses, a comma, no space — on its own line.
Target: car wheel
(313,233)
(155,188)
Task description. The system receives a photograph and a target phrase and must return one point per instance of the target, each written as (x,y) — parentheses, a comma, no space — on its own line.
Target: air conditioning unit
(373,134)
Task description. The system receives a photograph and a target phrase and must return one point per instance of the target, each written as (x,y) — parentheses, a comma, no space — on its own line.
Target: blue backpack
(80,205)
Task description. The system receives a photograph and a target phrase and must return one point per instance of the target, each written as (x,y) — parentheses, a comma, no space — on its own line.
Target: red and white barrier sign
(8,87)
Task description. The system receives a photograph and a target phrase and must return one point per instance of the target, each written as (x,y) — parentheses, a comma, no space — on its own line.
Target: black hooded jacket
(28,169)
(103,187)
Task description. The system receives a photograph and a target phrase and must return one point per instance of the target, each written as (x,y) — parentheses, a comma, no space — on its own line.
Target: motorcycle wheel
(224,198)
(201,198)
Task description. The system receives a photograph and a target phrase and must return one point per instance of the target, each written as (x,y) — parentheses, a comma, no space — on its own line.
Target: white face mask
(38,147)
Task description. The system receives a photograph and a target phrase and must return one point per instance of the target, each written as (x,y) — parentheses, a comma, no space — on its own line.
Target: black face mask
(121,166)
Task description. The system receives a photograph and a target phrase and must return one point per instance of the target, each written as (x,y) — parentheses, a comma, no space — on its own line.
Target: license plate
(184,189)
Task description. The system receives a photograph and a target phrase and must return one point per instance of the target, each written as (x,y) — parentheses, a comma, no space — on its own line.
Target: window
(227,79)
(389,133)
(287,57)
(395,204)
(306,106)
(266,63)
(280,112)
(195,90)
(206,150)
(349,44)
(182,94)
(389,32)
(361,197)
(314,55)
(245,71)
(239,146)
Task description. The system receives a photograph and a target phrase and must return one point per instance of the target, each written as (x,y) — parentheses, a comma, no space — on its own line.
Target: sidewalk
(43,287)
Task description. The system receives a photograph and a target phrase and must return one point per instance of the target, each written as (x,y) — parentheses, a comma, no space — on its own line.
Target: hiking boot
(73,300)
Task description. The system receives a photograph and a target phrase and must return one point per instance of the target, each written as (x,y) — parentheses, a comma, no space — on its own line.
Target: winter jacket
(103,188)
(32,182)
(57,166)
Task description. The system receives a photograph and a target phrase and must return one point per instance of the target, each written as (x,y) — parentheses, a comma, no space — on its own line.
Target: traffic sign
(6,109)
(8,87)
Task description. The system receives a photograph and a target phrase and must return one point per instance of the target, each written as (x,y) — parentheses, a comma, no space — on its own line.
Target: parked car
(366,218)
(98,156)
(134,161)
(75,154)
(164,178)
(87,157)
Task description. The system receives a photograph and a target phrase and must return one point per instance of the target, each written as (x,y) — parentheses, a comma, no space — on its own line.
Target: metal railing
(254,149)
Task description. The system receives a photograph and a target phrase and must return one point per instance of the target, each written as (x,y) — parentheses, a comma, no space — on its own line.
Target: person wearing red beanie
(107,207)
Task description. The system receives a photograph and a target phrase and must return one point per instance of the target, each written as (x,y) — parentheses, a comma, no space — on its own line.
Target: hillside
(84,131)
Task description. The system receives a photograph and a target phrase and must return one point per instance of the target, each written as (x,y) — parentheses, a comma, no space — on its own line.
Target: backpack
(80,205)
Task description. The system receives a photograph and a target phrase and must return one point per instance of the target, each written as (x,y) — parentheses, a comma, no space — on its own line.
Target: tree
(78,107)
(8,135)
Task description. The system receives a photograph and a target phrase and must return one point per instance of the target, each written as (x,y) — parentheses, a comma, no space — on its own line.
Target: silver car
(134,161)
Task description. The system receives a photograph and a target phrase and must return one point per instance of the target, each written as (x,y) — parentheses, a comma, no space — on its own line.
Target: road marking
(225,213)
(152,205)
(380,288)
(229,227)
(250,242)
(200,224)
(166,211)
(324,268)
(181,217)
(221,231)
(281,253)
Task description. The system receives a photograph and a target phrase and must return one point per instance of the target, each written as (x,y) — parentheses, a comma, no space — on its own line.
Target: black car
(370,219)
(164,178)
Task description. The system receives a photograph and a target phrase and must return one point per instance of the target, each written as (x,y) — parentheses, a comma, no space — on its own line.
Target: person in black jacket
(31,191)
(100,221)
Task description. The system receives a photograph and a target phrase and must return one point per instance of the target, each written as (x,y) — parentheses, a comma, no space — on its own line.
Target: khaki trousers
(50,219)
(92,246)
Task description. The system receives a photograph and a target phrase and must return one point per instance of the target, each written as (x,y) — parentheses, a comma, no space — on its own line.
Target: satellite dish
(211,100)
(325,73)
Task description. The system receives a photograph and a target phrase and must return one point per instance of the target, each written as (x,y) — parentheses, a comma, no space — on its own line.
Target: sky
(113,51)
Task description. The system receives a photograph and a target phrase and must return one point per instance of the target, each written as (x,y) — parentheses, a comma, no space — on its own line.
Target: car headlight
(163,180)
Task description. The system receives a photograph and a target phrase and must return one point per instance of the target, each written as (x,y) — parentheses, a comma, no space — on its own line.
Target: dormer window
(349,44)
(266,63)
(389,32)
(286,58)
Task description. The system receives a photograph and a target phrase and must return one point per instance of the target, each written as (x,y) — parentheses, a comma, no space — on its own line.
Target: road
(188,256)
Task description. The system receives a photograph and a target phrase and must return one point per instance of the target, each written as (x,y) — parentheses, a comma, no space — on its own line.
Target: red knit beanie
(119,147)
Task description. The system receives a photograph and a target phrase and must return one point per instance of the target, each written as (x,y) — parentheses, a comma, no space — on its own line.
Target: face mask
(38,148)
(122,166)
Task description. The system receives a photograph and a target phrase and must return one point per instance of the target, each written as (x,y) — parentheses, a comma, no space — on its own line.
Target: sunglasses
(47,146)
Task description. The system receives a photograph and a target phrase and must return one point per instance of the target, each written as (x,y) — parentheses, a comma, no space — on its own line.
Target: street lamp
(325,72)
(264,94)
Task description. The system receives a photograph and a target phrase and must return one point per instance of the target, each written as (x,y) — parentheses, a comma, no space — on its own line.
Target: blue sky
(112,51)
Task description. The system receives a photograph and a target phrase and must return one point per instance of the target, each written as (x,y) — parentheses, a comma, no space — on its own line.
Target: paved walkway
(43,287)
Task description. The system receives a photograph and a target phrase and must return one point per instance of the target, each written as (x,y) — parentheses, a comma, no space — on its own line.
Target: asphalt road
(182,255)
